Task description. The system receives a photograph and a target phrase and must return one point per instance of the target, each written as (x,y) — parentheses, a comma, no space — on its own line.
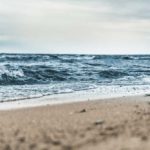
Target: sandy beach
(118,123)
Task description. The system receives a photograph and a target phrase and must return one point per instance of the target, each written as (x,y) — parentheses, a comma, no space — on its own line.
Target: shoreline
(120,123)
(77,96)
(101,92)
(59,99)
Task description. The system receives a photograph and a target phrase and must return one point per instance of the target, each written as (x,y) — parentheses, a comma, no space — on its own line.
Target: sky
(75,26)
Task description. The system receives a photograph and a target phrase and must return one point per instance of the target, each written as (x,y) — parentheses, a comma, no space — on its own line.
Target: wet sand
(113,124)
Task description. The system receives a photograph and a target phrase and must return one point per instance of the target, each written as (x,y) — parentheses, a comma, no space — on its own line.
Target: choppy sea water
(25,76)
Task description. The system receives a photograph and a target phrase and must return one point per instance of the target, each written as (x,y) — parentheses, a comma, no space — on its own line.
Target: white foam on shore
(102,92)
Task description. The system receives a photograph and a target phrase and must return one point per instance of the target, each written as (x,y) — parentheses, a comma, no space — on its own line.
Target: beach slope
(119,123)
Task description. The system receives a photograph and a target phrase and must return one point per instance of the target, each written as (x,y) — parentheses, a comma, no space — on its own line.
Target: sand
(113,124)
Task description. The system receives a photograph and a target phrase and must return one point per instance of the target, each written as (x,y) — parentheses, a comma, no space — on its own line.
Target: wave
(112,74)
(67,57)
(36,74)
(22,69)
(40,74)
(26,57)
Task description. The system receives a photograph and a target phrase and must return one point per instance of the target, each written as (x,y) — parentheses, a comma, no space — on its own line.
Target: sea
(28,76)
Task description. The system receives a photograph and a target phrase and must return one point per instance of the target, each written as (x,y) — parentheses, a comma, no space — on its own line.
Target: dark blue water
(31,75)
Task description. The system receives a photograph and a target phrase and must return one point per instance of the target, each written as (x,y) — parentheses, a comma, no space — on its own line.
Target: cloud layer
(75,26)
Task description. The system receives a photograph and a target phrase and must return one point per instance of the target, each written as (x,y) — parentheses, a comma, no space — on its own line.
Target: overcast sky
(75,26)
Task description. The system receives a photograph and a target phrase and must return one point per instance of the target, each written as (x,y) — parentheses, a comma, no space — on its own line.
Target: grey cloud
(74,23)
(127,9)
(119,9)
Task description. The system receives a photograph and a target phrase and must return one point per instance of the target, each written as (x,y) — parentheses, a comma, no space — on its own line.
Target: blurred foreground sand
(113,124)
